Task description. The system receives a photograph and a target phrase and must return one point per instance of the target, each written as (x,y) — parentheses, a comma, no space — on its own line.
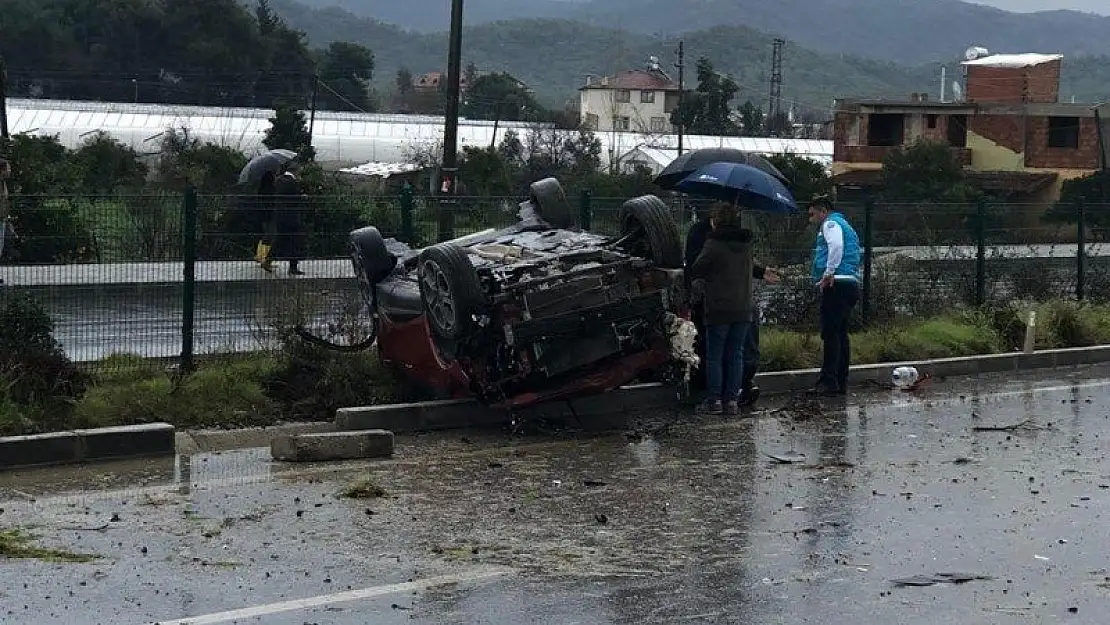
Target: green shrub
(221,394)
(39,382)
(312,382)
(783,350)
(103,165)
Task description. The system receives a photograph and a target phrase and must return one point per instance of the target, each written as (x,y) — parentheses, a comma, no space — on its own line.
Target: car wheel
(450,291)
(551,203)
(371,260)
(652,231)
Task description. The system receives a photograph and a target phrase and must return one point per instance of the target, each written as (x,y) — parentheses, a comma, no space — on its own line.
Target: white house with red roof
(638,100)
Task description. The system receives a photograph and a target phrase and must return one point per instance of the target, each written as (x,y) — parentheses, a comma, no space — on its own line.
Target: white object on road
(1031,333)
(904,378)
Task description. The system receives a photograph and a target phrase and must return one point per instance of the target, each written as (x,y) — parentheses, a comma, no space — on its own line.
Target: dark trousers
(725,360)
(698,380)
(836,309)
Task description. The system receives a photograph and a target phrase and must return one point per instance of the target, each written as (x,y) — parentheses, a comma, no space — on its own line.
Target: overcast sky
(1093,6)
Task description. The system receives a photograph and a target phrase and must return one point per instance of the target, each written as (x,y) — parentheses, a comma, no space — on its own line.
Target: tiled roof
(640,79)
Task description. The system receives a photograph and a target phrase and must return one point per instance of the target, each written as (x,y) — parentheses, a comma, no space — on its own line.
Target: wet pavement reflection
(675,520)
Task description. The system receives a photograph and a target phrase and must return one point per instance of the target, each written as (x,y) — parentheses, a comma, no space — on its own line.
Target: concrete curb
(76,446)
(601,412)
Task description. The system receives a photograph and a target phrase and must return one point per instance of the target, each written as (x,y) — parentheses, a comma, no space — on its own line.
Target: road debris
(940,578)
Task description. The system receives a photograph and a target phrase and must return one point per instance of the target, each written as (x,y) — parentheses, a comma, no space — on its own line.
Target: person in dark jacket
(725,266)
(695,242)
(284,229)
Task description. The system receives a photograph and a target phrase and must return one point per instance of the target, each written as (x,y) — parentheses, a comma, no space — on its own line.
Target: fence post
(408,234)
(868,252)
(188,285)
(980,253)
(1081,251)
(585,209)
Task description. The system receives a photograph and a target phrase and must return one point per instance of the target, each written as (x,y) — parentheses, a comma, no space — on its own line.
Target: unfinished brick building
(1010,131)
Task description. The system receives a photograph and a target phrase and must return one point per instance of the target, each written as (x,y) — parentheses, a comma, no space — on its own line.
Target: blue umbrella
(740,184)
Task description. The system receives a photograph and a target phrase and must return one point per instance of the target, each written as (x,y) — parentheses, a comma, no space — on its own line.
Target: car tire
(550,202)
(661,236)
(371,260)
(450,291)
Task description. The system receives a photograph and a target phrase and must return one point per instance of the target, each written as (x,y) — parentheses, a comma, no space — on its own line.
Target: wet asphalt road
(93,324)
(673,521)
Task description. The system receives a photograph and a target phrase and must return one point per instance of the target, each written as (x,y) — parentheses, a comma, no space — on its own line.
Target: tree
(289,130)
(808,178)
(347,69)
(267,20)
(104,165)
(403,83)
(751,120)
(707,110)
(500,96)
(926,171)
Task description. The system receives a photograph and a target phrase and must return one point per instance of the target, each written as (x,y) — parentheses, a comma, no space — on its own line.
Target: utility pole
(774,108)
(312,106)
(681,65)
(3,102)
(448,187)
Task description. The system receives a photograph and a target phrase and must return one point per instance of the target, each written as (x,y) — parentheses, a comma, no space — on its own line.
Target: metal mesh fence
(111,270)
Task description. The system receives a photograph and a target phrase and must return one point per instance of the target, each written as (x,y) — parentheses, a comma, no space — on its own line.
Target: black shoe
(295,270)
(749,396)
(824,389)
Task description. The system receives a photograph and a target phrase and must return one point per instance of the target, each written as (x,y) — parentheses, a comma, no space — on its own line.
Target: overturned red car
(534,312)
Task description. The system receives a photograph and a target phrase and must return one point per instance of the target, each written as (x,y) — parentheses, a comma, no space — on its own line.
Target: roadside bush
(102,165)
(51,230)
(39,382)
(312,382)
(1062,324)
(221,394)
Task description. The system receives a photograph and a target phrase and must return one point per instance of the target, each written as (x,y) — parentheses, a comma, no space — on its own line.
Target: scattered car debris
(787,458)
(1027,424)
(940,578)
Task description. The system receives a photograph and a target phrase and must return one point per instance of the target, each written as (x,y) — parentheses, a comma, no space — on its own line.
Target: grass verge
(304,383)
(17,545)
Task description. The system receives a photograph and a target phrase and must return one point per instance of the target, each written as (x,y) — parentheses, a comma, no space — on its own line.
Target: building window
(957,131)
(931,120)
(647,97)
(622,123)
(624,96)
(591,121)
(658,124)
(885,129)
(1063,132)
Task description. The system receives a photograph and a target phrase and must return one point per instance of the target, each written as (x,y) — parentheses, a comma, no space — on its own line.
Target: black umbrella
(685,165)
(269,161)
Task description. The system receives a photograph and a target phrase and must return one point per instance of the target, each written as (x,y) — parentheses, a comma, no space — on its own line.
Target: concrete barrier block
(130,441)
(1080,356)
(39,449)
(997,363)
(330,446)
(219,440)
(421,416)
(1036,360)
